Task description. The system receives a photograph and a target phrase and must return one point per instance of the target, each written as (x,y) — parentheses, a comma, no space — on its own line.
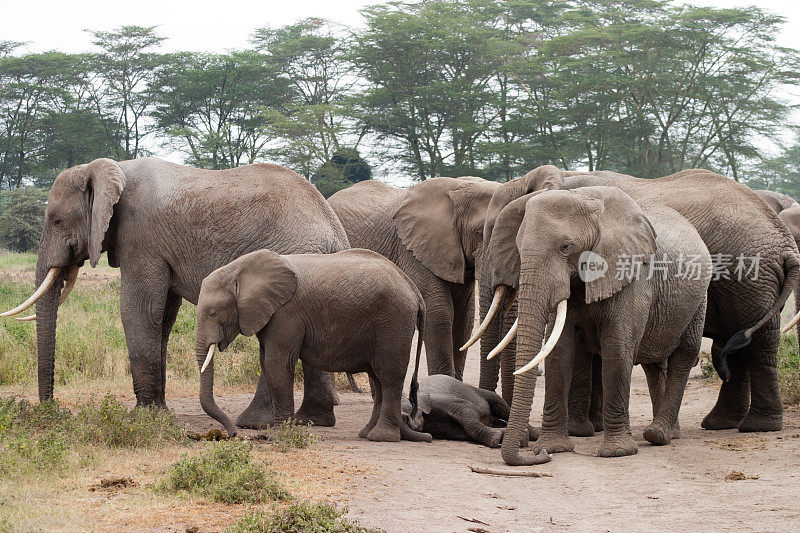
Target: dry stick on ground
(489,471)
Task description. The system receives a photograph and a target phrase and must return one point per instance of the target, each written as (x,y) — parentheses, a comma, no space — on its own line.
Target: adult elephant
(434,232)
(734,223)
(167,227)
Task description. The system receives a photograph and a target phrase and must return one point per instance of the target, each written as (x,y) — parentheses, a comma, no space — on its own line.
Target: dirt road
(411,486)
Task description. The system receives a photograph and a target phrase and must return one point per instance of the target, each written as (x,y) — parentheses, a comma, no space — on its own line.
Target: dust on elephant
(453,410)
(610,268)
(734,223)
(167,227)
(350,311)
(434,232)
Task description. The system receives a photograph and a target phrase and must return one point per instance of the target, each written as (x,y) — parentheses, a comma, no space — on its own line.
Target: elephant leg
(580,395)
(173,305)
(351,381)
(463,320)
(734,395)
(439,332)
(318,398)
(596,405)
(656,375)
(258,414)
(142,308)
(377,397)
(766,406)
(278,362)
(387,428)
(468,417)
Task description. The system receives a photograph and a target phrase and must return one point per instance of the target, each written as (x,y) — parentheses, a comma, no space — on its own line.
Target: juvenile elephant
(615,273)
(167,227)
(452,410)
(434,232)
(742,314)
(351,311)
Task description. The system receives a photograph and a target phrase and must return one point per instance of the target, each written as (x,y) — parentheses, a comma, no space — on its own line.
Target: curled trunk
(207,392)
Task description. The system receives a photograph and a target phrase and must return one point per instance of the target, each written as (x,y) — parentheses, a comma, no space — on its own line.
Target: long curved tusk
(792,323)
(208,357)
(68,286)
(558,327)
(52,274)
(498,297)
(506,340)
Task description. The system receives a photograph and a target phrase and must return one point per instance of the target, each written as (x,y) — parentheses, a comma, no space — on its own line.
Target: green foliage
(345,168)
(299,517)
(789,369)
(21,218)
(225,472)
(291,435)
(52,437)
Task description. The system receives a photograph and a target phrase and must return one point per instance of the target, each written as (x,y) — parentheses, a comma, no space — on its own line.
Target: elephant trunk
(46,313)
(489,368)
(207,388)
(533,305)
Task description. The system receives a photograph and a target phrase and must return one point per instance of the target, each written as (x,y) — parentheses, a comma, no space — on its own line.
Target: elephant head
(240,297)
(76,228)
(441,222)
(536,247)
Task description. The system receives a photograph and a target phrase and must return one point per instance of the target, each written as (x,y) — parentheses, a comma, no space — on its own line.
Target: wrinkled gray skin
(789,212)
(452,410)
(434,233)
(654,319)
(732,220)
(167,227)
(351,311)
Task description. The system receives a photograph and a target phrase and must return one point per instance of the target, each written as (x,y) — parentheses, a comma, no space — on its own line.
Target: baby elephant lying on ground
(452,410)
(350,311)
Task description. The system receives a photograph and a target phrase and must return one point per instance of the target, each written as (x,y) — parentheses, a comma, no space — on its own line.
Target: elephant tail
(412,393)
(791,271)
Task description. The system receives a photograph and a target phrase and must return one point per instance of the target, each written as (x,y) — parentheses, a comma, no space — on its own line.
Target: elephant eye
(213,313)
(566,247)
(57,222)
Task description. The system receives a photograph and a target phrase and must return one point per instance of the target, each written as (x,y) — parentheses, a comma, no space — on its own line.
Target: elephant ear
(470,201)
(543,178)
(106,181)
(427,225)
(625,236)
(791,217)
(264,283)
(503,253)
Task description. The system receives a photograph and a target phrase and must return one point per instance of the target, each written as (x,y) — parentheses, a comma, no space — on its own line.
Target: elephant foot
(533,434)
(618,446)
(406,433)
(597,422)
(553,444)
(715,420)
(657,435)
(757,422)
(676,431)
(255,418)
(527,459)
(495,437)
(580,428)
(383,432)
(315,417)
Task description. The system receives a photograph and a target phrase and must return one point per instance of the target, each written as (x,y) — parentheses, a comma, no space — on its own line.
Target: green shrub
(112,424)
(291,435)
(21,218)
(225,472)
(300,517)
(789,369)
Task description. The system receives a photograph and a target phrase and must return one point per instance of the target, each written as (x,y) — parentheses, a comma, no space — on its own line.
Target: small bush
(302,516)
(291,435)
(112,424)
(789,369)
(706,366)
(225,472)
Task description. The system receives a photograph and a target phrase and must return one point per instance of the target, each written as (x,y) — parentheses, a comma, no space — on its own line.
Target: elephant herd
(588,272)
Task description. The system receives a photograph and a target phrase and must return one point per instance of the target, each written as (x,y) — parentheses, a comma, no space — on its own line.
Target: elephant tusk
(208,357)
(558,327)
(70,284)
(498,297)
(792,323)
(506,340)
(52,274)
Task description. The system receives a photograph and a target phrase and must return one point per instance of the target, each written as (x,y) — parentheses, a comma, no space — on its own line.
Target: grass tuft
(300,517)
(225,472)
(290,435)
(789,369)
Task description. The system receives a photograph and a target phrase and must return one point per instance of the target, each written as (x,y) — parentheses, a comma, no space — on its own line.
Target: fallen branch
(473,520)
(510,473)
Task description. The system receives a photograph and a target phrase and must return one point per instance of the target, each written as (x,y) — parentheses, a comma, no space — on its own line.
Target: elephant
(433,231)
(349,311)
(614,272)
(741,316)
(167,227)
(453,410)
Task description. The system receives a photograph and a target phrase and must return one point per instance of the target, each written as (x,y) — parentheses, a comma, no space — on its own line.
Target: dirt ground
(410,486)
